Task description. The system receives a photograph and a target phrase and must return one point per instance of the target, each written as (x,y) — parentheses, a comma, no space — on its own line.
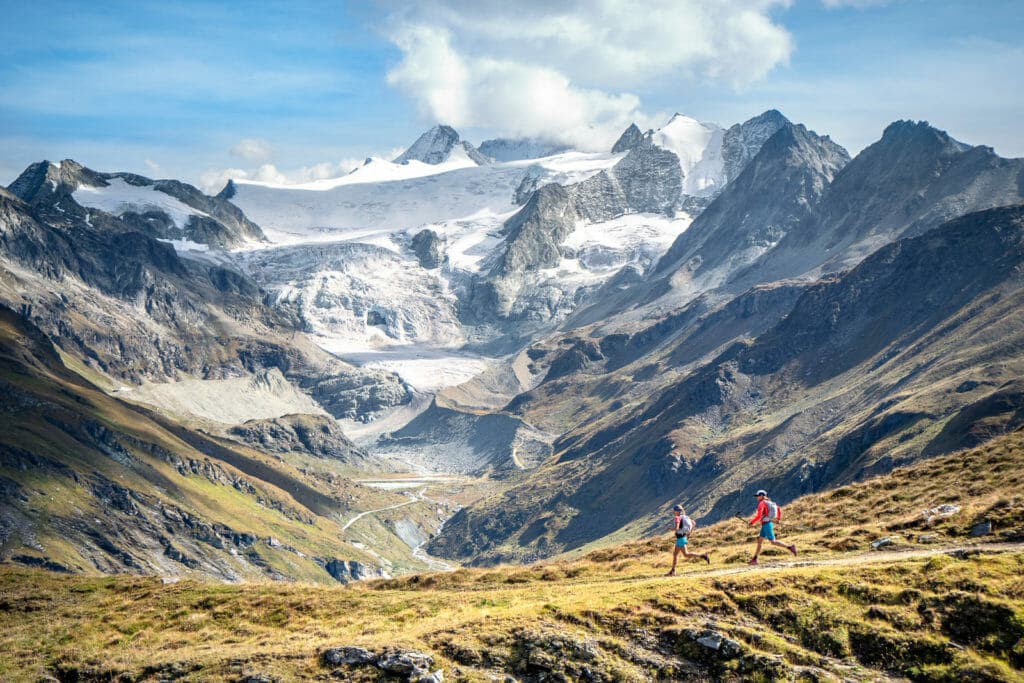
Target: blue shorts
(681,542)
(768,531)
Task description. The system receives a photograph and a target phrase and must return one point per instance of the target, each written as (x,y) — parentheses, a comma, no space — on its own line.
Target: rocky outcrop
(313,435)
(346,571)
(405,665)
(214,221)
(429,248)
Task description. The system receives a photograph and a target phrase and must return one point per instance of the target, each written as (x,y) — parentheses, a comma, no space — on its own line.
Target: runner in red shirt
(764,515)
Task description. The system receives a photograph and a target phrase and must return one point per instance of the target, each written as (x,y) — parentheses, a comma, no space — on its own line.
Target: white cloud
(253,150)
(153,167)
(565,69)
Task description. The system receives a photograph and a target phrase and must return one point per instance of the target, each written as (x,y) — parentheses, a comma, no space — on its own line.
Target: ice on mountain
(120,197)
(699,149)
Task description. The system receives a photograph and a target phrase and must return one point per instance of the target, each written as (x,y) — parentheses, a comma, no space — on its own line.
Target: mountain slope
(910,181)
(777,190)
(92,484)
(166,209)
(132,311)
(868,370)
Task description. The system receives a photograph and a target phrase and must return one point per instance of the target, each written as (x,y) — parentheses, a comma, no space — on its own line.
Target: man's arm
(762,510)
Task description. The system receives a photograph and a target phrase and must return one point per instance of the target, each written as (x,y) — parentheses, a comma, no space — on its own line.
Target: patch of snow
(655,232)
(186,245)
(698,146)
(423,369)
(120,197)
(383,197)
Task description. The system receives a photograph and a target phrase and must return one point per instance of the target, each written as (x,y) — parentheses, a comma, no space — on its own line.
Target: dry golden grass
(853,614)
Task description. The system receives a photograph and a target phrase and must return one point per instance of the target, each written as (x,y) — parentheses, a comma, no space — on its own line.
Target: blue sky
(201,91)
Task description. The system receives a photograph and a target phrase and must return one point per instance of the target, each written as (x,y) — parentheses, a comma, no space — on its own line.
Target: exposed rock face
(630,138)
(513,149)
(743,141)
(315,435)
(436,146)
(429,248)
(853,378)
(778,190)
(147,315)
(166,209)
(346,571)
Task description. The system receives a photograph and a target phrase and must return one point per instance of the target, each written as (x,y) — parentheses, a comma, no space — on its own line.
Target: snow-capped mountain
(165,209)
(444,251)
(438,145)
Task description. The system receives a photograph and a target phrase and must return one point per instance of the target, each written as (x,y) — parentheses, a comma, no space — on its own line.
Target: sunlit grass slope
(921,607)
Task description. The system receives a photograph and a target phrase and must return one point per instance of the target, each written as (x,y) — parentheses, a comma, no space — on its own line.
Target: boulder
(405,663)
(981,529)
(884,542)
(346,655)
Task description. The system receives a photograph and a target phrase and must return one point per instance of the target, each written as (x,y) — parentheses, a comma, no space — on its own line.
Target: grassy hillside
(90,484)
(916,352)
(935,604)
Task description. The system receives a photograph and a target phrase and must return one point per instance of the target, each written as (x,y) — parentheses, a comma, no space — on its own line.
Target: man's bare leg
(789,547)
(760,540)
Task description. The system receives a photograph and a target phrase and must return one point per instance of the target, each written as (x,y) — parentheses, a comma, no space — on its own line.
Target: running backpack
(774,511)
(685,527)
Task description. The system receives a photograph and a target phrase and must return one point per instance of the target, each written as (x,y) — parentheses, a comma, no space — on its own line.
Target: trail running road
(417,498)
(870,557)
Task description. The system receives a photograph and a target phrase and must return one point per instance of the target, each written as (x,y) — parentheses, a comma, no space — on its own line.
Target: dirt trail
(870,557)
(417,498)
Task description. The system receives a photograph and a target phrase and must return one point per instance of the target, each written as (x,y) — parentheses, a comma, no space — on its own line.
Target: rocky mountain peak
(743,140)
(229,191)
(775,193)
(630,138)
(798,145)
(436,147)
(920,133)
(45,179)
